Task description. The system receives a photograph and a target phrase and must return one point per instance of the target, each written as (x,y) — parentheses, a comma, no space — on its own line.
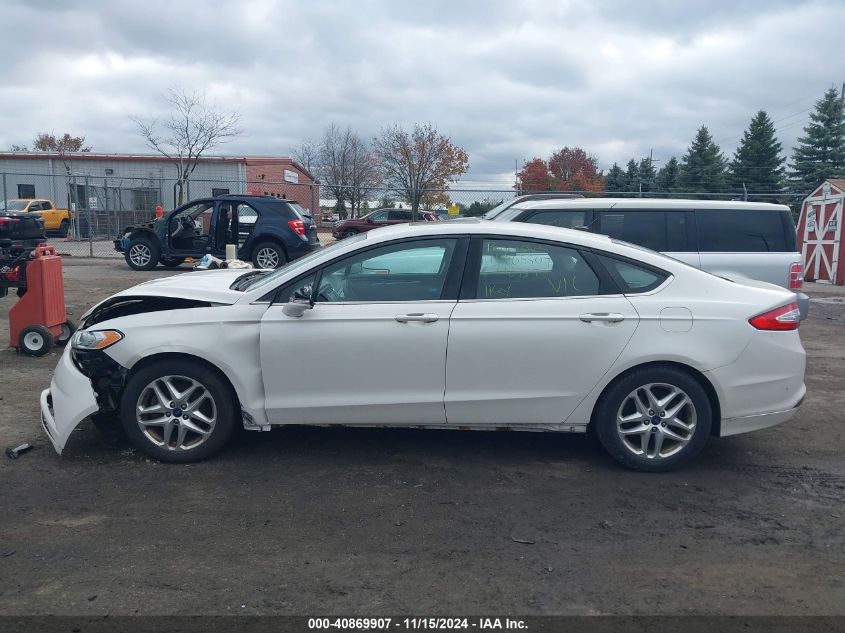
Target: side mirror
(299,302)
(369,220)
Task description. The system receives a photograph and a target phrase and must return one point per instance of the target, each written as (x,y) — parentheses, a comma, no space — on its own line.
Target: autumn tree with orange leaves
(573,169)
(418,162)
(568,169)
(535,176)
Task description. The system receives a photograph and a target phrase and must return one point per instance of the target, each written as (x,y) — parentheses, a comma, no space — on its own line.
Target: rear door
(534,331)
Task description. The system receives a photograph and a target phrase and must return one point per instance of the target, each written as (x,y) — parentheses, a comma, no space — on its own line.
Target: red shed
(820,233)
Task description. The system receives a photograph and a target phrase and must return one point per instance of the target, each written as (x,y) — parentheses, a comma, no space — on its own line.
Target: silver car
(743,240)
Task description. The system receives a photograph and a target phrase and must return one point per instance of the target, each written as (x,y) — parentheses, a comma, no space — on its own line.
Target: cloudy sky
(508,80)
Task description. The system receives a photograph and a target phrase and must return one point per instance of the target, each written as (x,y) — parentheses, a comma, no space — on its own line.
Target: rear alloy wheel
(35,340)
(654,419)
(142,254)
(68,328)
(178,411)
(268,255)
(349,233)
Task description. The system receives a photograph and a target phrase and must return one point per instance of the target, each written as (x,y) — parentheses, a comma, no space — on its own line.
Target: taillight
(298,227)
(796,276)
(786,317)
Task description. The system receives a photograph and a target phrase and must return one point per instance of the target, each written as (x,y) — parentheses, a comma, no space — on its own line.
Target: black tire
(64,227)
(68,328)
(225,408)
(172,262)
(268,250)
(617,395)
(146,254)
(348,233)
(35,340)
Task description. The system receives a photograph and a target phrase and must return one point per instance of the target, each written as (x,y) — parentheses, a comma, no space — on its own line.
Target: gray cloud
(508,81)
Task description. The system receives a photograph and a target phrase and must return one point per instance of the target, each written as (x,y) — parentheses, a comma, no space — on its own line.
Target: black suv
(19,232)
(268,231)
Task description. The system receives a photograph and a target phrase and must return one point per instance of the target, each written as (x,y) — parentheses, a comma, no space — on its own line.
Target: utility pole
(651,161)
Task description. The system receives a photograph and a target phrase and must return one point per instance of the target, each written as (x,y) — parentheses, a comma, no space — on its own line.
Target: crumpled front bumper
(69,400)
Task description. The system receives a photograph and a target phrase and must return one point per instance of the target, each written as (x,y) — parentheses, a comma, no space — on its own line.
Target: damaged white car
(458,325)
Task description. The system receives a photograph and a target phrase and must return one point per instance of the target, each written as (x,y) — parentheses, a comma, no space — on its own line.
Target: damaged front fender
(69,400)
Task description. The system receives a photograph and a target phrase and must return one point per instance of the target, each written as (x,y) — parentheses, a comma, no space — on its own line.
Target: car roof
(647,203)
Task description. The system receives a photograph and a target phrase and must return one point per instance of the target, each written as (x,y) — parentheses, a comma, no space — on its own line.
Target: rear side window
(632,278)
(513,269)
(555,217)
(744,231)
(663,231)
(281,207)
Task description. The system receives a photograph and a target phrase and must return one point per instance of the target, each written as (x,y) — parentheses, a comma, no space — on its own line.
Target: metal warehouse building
(116,189)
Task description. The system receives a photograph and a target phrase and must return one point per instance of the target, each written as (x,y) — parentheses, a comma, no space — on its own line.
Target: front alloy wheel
(176,413)
(178,410)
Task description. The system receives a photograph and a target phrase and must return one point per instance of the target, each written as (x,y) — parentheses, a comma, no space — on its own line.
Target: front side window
(513,269)
(381,216)
(399,216)
(408,271)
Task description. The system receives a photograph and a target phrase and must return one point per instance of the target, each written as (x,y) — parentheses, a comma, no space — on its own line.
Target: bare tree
(307,154)
(18,148)
(191,129)
(333,161)
(417,162)
(363,173)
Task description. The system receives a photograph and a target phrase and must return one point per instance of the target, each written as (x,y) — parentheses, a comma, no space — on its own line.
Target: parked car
(733,239)
(270,232)
(376,219)
(507,204)
(55,219)
(460,325)
(19,232)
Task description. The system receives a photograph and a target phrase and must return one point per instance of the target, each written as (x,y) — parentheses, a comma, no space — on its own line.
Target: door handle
(416,316)
(607,317)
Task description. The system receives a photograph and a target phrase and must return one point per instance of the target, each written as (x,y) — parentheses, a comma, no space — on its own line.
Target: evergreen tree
(821,151)
(615,179)
(704,166)
(632,176)
(757,162)
(668,178)
(647,174)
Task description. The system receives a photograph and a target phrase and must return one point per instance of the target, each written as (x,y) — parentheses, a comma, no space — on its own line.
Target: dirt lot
(344,521)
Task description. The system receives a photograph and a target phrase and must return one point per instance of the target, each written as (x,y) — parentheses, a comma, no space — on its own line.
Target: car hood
(209,286)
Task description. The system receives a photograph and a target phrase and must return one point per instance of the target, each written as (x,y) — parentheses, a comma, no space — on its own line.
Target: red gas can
(39,319)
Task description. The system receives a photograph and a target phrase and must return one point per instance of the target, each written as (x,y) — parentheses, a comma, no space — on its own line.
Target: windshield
(492,213)
(302,262)
(14,205)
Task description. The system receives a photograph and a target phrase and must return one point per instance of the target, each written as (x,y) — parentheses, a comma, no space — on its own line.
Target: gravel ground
(359,521)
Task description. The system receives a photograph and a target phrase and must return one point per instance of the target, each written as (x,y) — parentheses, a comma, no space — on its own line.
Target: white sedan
(458,325)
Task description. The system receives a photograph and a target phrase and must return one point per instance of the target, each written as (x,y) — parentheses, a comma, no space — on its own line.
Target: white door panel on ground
(374,363)
(531,361)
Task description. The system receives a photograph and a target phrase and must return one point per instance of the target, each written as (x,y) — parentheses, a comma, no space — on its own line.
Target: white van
(754,240)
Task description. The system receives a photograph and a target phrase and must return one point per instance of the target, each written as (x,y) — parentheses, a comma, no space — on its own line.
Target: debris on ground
(17,451)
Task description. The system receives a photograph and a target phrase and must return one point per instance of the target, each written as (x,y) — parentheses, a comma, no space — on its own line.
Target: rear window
(745,231)
(662,231)
(632,278)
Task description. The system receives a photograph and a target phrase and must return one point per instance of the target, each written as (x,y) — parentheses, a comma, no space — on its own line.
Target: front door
(372,350)
(190,230)
(532,334)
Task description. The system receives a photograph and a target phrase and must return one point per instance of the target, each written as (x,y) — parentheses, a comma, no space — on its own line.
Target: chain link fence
(90,212)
